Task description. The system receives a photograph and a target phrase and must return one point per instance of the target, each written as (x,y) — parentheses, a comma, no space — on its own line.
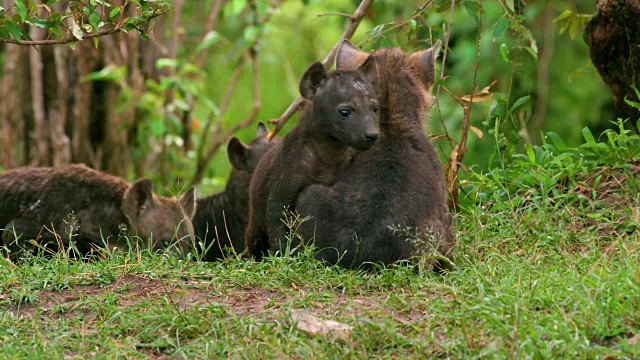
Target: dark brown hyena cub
(55,205)
(390,204)
(221,219)
(340,117)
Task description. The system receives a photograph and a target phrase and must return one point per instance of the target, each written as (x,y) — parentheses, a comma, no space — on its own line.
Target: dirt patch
(610,184)
(129,290)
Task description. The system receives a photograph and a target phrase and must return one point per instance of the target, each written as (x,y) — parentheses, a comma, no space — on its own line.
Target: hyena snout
(371,136)
(366,137)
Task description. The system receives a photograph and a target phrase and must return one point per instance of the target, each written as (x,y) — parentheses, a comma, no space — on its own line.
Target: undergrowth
(548,267)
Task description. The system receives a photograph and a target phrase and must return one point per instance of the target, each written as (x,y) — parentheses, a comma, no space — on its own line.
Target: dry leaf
(477,131)
(634,340)
(312,325)
(482,96)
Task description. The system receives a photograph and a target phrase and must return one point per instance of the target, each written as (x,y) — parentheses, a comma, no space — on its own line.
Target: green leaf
(376,31)
(632,103)
(21,9)
(209,40)
(114,12)
(13,29)
(504,53)
(633,86)
(166,63)
(500,28)
(43,24)
(237,6)
(157,127)
(103,3)
(586,133)
(557,141)
(251,33)
(472,8)
(519,103)
(562,16)
(573,27)
(385,42)
(94,20)
(532,52)
(510,5)
(530,153)
(413,24)
(108,73)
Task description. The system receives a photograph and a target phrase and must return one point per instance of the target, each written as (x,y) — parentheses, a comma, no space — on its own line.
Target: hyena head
(246,157)
(164,221)
(344,103)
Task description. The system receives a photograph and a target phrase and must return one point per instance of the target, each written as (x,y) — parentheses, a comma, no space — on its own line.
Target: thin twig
(211,25)
(442,68)
(222,137)
(457,155)
(334,14)
(233,84)
(327,62)
(543,69)
(175,37)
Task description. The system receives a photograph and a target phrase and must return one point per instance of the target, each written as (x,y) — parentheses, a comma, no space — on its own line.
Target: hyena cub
(341,116)
(53,206)
(221,219)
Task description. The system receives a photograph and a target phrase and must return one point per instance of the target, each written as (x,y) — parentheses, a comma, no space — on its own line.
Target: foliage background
(564,82)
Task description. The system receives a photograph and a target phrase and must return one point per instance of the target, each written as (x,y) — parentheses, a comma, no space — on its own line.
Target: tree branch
(231,88)
(220,136)
(327,62)
(211,25)
(70,38)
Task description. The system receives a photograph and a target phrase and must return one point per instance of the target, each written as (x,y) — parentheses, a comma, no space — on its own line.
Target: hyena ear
(262,130)
(424,64)
(368,65)
(188,202)
(138,198)
(238,154)
(349,57)
(315,76)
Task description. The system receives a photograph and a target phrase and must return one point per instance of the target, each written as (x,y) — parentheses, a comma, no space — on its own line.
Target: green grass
(536,287)
(543,273)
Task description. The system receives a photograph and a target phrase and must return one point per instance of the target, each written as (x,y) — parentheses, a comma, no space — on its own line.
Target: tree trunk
(39,137)
(60,144)
(86,60)
(9,118)
(612,36)
(49,116)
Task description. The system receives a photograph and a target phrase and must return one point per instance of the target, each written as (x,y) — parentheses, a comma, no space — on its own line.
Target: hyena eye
(344,112)
(166,243)
(375,108)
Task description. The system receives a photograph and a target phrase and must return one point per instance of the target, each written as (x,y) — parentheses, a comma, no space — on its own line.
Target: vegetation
(548,268)
(548,193)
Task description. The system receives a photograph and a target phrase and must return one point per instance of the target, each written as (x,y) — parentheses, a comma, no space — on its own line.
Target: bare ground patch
(132,289)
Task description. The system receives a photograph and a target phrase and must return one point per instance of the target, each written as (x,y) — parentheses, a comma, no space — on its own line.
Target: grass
(541,275)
